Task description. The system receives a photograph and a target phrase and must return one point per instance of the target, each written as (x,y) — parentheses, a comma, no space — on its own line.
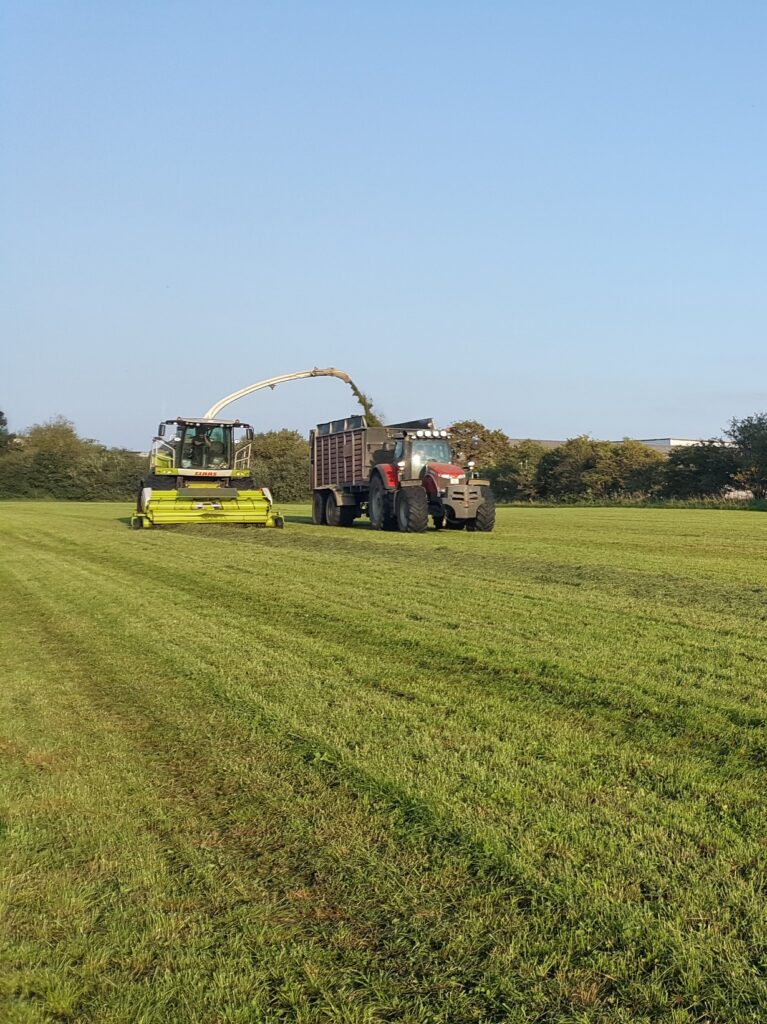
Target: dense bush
(281,463)
(51,461)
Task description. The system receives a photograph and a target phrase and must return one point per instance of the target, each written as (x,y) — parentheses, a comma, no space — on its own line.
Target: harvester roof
(200,421)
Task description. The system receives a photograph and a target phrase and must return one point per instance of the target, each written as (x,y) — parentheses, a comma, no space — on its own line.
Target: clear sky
(548,216)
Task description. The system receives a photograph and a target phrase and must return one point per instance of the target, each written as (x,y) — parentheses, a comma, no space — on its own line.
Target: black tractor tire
(378,502)
(455,524)
(439,522)
(412,510)
(318,508)
(244,483)
(485,520)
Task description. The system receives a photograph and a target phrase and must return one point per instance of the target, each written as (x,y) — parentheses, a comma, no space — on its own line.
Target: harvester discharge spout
(272,382)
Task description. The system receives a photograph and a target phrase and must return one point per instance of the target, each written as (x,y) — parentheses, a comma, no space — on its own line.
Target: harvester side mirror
(249,433)
(161,430)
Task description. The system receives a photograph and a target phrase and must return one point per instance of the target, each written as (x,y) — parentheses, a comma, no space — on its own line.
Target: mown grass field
(322,775)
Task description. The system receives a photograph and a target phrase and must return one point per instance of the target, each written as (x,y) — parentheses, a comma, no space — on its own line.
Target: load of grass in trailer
(325,776)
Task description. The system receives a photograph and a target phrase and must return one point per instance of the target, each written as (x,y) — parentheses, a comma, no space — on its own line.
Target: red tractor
(398,475)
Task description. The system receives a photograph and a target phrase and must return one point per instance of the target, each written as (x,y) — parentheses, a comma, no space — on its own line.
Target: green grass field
(321,775)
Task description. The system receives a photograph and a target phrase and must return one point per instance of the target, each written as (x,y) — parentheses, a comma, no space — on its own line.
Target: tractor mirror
(161,430)
(249,433)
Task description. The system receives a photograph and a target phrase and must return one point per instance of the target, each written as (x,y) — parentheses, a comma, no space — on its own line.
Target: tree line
(50,460)
(584,469)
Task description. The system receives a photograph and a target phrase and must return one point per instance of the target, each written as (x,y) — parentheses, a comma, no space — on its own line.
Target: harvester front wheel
(412,510)
(158,482)
(244,483)
(318,509)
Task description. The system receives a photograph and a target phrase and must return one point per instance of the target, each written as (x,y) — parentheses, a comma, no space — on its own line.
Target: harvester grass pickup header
(398,475)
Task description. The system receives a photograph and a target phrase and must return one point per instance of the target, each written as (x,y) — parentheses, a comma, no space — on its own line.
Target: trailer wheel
(412,510)
(318,509)
(377,511)
(485,520)
(332,511)
(347,514)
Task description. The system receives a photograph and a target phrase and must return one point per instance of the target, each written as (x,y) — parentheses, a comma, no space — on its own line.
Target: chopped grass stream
(325,775)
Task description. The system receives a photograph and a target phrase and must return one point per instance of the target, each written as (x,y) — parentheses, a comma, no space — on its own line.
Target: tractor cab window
(429,449)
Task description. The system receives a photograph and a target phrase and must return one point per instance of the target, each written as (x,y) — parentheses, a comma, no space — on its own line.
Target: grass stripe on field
(331,775)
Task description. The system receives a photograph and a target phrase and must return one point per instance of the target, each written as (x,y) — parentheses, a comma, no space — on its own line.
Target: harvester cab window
(217,450)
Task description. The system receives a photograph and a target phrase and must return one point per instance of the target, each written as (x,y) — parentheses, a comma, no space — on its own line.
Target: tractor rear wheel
(485,520)
(318,509)
(378,511)
(412,510)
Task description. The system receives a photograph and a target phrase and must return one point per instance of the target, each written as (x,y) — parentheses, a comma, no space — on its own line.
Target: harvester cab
(199,472)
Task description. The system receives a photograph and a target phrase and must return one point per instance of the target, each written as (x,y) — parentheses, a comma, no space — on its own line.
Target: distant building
(535,440)
(665,444)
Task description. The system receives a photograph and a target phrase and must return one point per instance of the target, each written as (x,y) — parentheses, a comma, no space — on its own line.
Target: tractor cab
(201,447)
(426,453)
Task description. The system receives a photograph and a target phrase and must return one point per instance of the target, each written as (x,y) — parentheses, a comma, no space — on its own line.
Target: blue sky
(546,216)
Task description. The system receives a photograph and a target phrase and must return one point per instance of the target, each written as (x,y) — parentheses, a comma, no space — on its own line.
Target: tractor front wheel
(412,510)
(485,520)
